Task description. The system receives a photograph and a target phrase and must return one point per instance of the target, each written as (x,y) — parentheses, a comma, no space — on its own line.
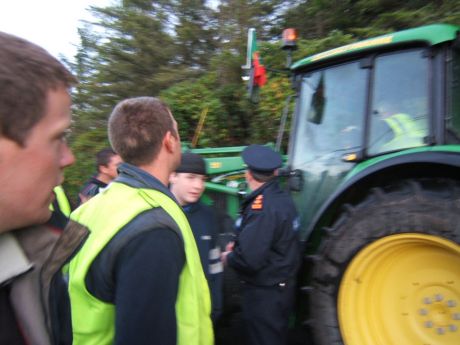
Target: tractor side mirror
(295,180)
(242,190)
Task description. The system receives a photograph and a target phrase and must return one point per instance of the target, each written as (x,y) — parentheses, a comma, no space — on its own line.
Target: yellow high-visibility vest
(93,320)
(62,201)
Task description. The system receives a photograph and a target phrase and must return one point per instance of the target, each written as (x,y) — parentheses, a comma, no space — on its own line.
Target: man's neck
(104,178)
(253,185)
(159,172)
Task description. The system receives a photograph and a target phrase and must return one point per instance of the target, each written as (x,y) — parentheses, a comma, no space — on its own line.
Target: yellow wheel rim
(402,289)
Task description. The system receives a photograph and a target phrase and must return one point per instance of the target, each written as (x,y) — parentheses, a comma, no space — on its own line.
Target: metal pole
(279,139)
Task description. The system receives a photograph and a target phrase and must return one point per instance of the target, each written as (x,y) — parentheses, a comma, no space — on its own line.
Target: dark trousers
(266,312)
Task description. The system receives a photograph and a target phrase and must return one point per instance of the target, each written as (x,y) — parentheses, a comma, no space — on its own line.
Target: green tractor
(374,168)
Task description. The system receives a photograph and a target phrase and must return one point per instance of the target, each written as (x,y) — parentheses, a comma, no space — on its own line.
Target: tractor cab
(370,99)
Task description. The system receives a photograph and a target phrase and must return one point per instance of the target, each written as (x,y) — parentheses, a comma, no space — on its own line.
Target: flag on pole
(256,73)
(254,62)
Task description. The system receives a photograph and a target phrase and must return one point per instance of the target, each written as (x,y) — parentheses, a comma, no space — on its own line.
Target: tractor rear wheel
(389,270)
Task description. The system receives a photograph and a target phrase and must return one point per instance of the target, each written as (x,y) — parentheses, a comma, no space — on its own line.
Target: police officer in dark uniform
(266,251)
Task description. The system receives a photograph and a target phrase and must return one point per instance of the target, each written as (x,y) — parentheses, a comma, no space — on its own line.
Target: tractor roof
(429,35)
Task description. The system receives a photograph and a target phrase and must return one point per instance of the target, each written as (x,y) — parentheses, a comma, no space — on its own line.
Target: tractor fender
(384,171)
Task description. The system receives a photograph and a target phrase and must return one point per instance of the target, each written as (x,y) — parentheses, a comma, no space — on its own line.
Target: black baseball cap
(192,163)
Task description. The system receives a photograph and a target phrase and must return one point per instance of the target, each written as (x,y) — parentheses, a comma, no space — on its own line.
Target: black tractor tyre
(426,206)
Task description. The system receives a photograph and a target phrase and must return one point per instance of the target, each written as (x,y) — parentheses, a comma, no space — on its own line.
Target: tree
(191,53)
(365,18)
(194,34)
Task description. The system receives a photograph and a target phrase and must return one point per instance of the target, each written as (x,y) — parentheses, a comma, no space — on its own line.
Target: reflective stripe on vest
(407,132)
(403,124)
(93,320)
(63,202)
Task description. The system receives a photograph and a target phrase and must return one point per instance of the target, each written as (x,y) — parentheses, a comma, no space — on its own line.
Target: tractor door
(329,125)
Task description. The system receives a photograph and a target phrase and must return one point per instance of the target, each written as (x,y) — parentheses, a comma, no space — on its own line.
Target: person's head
(262,162)
(34,117)
(386,108)
(187,182)
(143,131)
(107,162)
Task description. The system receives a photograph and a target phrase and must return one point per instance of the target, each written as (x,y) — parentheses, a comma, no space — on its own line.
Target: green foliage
(266,117)
(189,101)
(364,18)
(84,148)
(194,34)
(190,54)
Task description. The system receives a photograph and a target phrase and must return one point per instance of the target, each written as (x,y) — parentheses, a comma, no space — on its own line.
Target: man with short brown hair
(138,278)
(34,117)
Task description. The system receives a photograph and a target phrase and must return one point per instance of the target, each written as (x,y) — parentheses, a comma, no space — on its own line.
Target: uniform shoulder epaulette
(258,202)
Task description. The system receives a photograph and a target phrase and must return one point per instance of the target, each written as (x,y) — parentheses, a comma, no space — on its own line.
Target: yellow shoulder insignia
(257,204)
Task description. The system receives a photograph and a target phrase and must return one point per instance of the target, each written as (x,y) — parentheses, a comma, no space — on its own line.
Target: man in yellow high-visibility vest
(394,130)
(138,278)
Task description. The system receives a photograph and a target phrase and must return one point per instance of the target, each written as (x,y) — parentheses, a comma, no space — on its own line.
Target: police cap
(261,158)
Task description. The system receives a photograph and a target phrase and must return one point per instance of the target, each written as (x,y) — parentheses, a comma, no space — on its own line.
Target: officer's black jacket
(266,250)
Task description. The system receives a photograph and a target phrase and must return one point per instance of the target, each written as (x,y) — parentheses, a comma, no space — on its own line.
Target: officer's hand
(229,246)
(223,257)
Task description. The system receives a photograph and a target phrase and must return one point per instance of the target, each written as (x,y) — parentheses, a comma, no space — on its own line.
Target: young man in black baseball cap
(187,185)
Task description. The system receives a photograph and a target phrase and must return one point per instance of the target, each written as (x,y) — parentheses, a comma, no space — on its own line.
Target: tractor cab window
(399,102)
(331,112)
(453,103)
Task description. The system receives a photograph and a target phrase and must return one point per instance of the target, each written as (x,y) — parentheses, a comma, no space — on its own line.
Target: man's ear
(103,169)
(169,141)
(247,175)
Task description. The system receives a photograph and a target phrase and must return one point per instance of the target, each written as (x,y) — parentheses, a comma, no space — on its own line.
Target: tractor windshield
(331,114)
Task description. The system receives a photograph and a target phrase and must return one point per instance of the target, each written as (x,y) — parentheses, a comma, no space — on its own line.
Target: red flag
(255,71)
(260,74)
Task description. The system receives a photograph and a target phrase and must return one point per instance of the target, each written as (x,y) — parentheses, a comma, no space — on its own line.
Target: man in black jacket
(107,162)
(266,251)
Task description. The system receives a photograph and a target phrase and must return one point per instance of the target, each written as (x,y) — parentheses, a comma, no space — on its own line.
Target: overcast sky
(51,24)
